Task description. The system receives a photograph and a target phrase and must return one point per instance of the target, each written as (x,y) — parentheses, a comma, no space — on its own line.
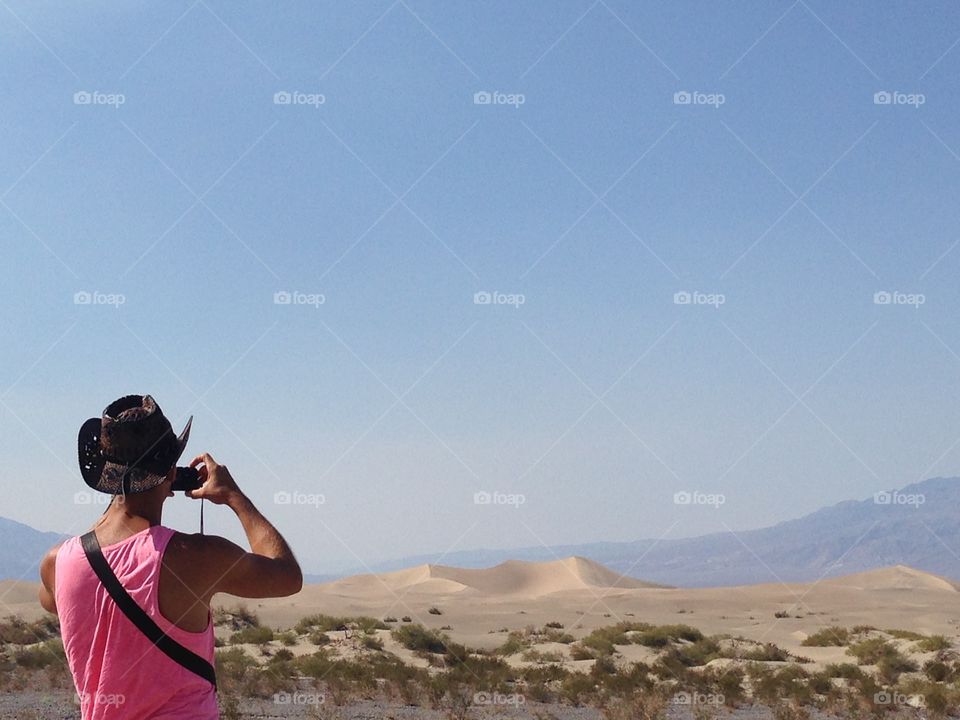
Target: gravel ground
(59,705)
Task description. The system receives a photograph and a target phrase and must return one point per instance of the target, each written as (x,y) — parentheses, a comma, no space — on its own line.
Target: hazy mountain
(917,526)
(21,548)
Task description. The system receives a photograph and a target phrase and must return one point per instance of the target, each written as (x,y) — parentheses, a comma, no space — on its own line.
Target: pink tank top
(117,671)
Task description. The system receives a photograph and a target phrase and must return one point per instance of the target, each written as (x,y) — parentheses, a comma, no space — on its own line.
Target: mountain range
(916,526)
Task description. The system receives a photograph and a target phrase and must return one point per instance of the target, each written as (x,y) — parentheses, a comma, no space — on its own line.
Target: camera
(187,478)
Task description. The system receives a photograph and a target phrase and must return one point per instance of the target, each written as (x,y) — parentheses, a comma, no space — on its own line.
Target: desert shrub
(638,705)
(514,643)
(372,642)
(236,618)
(877,651)
(663,635)
(417,637)
(389,619)
(579,652)
(847,671)
(555,625)
(937,671)
(578,688)
(828,637)
(41,655)
(768,652)
(287,638)
(904,634)
(933,643)
(367,624)
(14,630)
(256,634)
(696,653)
(232,666)
(321,622)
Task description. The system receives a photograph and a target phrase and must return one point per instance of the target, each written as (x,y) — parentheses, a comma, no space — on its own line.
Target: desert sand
(479,606)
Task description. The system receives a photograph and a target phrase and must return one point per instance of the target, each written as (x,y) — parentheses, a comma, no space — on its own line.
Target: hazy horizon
(434,277)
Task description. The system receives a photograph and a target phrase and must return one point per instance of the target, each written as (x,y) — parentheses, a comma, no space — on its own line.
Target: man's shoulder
(197,543)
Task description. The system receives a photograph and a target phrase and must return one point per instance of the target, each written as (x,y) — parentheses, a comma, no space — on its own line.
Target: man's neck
(135,513)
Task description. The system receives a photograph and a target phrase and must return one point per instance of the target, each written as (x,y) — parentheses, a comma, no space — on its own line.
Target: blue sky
(148,159)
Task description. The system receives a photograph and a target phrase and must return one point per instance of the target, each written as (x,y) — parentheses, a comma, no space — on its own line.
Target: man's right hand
(218,486)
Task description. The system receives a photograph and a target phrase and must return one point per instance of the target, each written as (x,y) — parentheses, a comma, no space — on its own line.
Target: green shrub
(14,630)
(372,642)
(828,637)
(933,643)
(48,653)
(256,634)
(417,637)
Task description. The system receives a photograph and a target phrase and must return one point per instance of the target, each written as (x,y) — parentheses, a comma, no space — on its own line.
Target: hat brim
(106,476)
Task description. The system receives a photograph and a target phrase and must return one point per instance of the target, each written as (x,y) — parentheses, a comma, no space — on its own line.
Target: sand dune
(479,606)
(511,578)
(898,577)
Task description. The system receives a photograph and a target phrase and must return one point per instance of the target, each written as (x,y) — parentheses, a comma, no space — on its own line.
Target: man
(134,596)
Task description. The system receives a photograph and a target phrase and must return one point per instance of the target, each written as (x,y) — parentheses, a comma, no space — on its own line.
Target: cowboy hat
(131,448)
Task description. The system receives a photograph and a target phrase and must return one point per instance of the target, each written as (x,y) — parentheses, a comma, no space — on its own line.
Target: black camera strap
(174,650)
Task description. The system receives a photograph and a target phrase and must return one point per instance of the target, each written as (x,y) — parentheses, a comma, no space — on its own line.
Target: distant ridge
(21,549)
(849,537)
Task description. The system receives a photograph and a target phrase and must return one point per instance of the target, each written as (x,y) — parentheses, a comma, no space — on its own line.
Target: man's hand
(218,486)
